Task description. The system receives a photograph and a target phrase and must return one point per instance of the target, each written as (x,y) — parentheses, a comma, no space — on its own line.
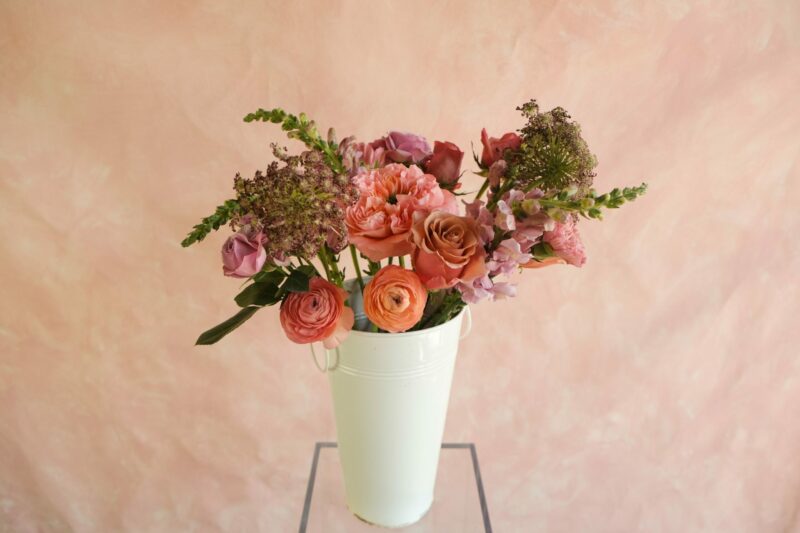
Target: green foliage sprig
(221,216)
(301,128)
(591,205)
(268,287)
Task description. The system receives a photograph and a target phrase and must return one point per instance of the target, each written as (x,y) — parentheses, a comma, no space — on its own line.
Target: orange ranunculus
(318,314)
(394,299)
(447,250)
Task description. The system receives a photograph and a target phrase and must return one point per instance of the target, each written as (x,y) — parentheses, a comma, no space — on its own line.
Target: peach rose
(318,314)
(447,250)
(380,221)
(394,299)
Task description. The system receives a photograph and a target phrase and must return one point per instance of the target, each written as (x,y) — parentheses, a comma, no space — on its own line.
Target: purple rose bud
(243,255)
(405,147)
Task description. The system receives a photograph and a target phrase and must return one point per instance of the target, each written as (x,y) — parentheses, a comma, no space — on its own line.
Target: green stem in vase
(358,269)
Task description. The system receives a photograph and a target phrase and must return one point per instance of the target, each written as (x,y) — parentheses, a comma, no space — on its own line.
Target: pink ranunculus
(445,163)
(566,242)
(494,148)
(404,147)
(318,314)
(243,255)
(379,224)
(447,250)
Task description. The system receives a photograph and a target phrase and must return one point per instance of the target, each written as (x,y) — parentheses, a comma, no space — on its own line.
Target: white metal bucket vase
(390,396)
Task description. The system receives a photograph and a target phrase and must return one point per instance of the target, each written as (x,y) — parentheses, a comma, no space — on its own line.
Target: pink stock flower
(483,288)
(447,250)
(404,147)
(243,254)
(483,219)
(318,314)
(507,257)
(519,213)
(379,224)
(494,148)
(504,218)
(357,156)
(445,163)
(496,172)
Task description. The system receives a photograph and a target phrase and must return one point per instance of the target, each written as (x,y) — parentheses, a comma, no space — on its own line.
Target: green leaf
(269,276)
(260,294)
(308,270)
(211,223)
(542,251)
(217,332)
(297,281)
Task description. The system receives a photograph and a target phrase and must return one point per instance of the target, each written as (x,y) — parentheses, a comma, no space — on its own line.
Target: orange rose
(447,250)
(394,299)
(318,314)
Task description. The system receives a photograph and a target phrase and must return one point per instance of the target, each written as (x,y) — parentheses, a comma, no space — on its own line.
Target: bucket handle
(328,367)
(466,331)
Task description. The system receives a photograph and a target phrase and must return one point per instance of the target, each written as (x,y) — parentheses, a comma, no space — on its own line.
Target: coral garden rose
(404,147)
(243,255)
(493,148)
(379,223)
(394,299)
(447,250)
(318,314)
(445,163)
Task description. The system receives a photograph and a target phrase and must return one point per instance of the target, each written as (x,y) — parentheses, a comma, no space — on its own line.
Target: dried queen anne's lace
(298,202)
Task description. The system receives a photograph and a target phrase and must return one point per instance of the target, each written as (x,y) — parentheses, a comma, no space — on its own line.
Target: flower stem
(482,189)
(402,260)
(324,261)
(358,269)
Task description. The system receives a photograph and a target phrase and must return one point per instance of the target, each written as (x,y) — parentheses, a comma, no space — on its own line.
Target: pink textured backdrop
(657,389)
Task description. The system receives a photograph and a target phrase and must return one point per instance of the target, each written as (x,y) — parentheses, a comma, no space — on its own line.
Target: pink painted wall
(657,389)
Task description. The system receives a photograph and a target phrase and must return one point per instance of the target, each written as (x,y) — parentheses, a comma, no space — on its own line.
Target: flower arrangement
(394,203)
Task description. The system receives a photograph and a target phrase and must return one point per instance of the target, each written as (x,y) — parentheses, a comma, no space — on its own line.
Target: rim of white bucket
(405,334)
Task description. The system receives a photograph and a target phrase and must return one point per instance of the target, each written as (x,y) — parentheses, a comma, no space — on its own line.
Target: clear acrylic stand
(459,503)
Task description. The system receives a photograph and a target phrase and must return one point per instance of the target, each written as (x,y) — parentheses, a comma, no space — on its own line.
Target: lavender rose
(404,147)
(243,255)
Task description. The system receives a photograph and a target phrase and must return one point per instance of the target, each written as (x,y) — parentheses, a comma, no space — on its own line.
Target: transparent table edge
(445,445)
